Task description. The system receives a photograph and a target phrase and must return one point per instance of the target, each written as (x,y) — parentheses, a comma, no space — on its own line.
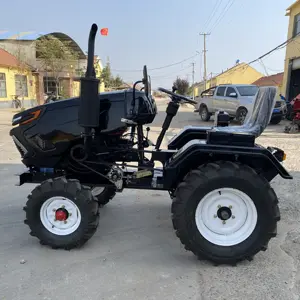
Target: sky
(158,33)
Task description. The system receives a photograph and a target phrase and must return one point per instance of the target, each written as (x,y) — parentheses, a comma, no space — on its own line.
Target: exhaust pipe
(89,109)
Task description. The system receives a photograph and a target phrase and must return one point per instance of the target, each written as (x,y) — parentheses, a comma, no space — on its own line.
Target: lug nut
(215,216)
(224,222)
(65,222)
(54,210)
(62,206)
(70,214)
(233,217)
(219,206)
(230,206)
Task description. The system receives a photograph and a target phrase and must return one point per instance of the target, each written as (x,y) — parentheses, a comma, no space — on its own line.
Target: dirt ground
(135,253)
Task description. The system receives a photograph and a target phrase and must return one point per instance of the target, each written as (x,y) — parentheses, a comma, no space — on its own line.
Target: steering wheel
(186,99)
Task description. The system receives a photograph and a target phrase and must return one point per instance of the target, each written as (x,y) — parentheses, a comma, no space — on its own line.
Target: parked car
(237,100)
(279,111)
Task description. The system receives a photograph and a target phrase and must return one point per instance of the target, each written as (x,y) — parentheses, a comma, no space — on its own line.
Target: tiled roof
(273,80)
(7,59)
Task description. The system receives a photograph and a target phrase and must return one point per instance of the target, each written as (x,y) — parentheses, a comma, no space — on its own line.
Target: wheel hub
(224,213)
(61,214)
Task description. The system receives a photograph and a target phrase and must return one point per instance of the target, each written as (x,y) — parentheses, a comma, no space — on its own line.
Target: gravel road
(135,253)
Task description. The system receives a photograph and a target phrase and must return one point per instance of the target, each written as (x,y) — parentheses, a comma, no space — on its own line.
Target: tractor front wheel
(62,213)
(225,212)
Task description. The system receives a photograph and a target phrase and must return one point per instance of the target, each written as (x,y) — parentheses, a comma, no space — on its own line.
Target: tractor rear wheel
(225,212)
(62,213)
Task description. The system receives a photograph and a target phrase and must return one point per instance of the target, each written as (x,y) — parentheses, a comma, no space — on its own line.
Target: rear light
(278,153)
(26,117)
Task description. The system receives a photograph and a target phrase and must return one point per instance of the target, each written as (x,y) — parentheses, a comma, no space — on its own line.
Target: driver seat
(254,124)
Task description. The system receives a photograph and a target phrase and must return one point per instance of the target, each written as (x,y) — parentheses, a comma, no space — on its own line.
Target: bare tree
(23,70)
(57,57)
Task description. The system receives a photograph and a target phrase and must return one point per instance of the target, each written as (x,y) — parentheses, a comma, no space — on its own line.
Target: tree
(182,86)
(109,80)
(106,76)
(56,56)
(117,81)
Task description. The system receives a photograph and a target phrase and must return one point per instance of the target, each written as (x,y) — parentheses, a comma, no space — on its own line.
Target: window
(221,91)
(21,85)
(208,93)
(229,91)
(247,90)
(297,25)
(50,85)
(2,85)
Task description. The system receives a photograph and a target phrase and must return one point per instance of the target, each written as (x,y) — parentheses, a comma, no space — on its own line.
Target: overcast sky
(162,32)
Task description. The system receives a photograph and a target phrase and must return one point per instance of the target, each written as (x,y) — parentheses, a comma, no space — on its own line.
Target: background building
(239,74)
(291,80)
(272,80)
(16,79)
(31,80)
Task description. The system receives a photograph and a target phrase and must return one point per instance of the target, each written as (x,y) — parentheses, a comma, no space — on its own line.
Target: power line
(217,5)
(159,68)
(221,16)
(279,47)
(170,74)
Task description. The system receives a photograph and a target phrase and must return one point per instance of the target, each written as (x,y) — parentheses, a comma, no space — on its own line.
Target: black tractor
(81,151)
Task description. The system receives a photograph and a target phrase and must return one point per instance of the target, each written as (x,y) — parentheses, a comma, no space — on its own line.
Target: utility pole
(204,57)
(193,78)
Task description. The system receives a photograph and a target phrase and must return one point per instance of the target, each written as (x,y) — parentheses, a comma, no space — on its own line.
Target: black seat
(256,122)
(252,128)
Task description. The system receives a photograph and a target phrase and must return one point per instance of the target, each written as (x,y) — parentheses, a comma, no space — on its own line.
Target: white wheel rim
(97,190)
(48,216)
(237,228)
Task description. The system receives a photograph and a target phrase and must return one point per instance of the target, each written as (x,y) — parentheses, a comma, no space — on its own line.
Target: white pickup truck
(237,100)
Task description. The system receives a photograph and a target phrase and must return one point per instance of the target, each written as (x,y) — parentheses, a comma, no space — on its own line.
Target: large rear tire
(225,212)
(62,213)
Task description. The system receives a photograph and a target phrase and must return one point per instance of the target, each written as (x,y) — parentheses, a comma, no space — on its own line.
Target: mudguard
(187,134)
(198,152)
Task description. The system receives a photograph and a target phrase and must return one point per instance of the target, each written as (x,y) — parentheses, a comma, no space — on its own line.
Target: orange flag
(104,31)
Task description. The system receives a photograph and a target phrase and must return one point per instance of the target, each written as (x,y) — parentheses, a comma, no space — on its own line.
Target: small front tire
(62,213)
(225,212)
(103,194)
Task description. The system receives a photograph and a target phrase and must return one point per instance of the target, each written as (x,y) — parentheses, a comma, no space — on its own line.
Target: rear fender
(197,152)
(187,134)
